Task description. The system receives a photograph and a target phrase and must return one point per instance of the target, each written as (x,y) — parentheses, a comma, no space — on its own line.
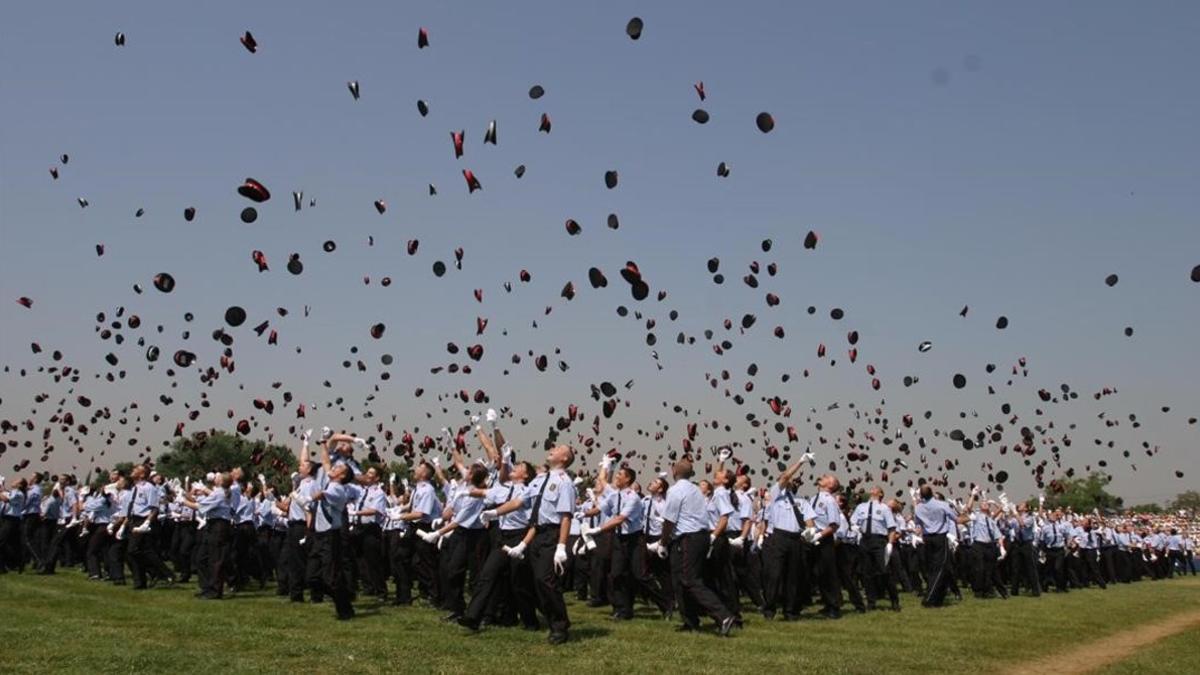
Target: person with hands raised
(551,497)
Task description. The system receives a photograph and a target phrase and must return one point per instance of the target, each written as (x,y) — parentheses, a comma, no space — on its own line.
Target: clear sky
(1006,156)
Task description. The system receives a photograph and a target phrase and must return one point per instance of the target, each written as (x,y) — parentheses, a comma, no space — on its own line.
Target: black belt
(935,534)
(874,536)
(544,528)
(788,533)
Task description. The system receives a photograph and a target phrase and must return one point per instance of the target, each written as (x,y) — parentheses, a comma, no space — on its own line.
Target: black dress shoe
(768,614)
(453,617)
(831,613)
(470,625)
(557,638)
(726,626)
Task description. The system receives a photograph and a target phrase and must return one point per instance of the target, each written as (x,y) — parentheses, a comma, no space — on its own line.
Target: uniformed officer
(685,520)
(937,519)
(12,507)
(877,528)
(143,510)
(826,519)
(369,513)
(551,497)
(506,581)
(1024,558)
(215,506)
(784,558)
(424,509)
(329,545)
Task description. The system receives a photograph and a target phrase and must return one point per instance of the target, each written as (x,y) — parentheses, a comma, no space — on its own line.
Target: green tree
(202,452)
(1082,495)
(1147,508)
(1186,501)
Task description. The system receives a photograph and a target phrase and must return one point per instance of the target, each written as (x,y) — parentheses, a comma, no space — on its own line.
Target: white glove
(972,517)
(488,516)
(361,444)
(515,552)
(578,548)
(660,550)
(437,462)
(560,559)
(491,416)
(326,432)
(262,480)
(912,492)
(83,491)
(586,531)
(605,462)
(509,454)
(109,529)
(431,537)
(808,457)
(737,542)
(475,421)
(810,535)
(392,479)
(974,490)
(437,523)
(305,435)
(724,454)
(887,554)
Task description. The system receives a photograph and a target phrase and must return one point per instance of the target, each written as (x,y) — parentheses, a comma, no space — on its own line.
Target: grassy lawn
(66,624)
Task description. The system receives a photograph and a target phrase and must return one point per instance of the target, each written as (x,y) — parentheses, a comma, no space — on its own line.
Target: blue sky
(1006,157)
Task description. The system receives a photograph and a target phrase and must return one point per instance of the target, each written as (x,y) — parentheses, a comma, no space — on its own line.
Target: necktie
(646,518)
(622,526)
(535,516)
(132,498)
(870,514)
(795,510)
(360,505)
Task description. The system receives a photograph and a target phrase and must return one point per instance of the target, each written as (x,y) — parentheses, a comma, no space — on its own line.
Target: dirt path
(1092,656)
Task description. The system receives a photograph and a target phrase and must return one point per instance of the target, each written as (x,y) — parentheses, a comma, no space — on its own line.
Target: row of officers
(500,541)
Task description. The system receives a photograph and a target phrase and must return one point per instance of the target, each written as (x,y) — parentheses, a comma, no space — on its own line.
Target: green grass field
(65,623)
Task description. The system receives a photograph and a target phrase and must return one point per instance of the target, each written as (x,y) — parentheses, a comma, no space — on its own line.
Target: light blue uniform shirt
(467,510)
(844,533)
(99,509)
(502,494)
(720,505)
(935,517)
(628,504)
(376,499)
(266,513)
(1088,539)
(15,506)
(780,514)
(295,510)
(215,505)
(425,502)
(558,499)
(328,515)
(873,517)
(655,513)
(33,501)
(825,510)
(686,508)
(982,529)
(1055,534)
(145,499)
(1023,528)
(243,512)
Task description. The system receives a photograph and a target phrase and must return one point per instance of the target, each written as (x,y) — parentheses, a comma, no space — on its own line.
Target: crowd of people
(500,541)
